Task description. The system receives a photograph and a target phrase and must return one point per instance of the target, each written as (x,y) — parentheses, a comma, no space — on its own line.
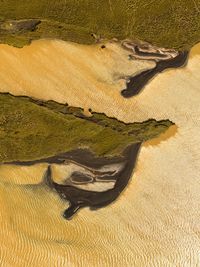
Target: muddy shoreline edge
(79,198)
(137,83)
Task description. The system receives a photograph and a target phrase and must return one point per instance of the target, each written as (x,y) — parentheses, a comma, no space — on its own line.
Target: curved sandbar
(155,221)
(164,59)
(83,69)
(120,172)
(44,129)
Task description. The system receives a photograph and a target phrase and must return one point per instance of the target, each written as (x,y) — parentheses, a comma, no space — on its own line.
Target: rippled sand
(66,71)
(155,222)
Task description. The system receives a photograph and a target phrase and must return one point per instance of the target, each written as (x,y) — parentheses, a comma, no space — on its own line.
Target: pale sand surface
(155,222)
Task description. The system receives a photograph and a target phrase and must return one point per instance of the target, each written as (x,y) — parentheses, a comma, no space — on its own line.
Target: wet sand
(155,222)
(50,69)
(137,83)
(172,131)
(79,198)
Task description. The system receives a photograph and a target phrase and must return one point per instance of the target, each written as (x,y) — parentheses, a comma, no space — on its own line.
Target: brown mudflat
(137,83)
(79,198)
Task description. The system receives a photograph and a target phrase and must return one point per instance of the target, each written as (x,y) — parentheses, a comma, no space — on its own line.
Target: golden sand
(66,71)
(155,222)
(163,137)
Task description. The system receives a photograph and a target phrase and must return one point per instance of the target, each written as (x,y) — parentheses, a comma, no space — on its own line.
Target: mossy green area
(167,23)
(32,129)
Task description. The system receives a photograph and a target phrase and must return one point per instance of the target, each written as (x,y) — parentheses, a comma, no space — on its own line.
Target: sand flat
(155,222)
(54,70)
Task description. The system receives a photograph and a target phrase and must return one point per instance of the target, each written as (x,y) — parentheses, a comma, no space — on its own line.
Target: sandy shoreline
(155,222)
(138,83)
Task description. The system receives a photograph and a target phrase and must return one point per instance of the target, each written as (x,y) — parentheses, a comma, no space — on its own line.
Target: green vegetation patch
(33,129)
(167,23)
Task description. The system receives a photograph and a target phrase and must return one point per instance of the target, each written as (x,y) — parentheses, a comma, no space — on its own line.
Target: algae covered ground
(167,23)
(32,129)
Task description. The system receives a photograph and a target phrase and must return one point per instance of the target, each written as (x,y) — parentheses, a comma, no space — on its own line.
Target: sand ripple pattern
(155,222)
